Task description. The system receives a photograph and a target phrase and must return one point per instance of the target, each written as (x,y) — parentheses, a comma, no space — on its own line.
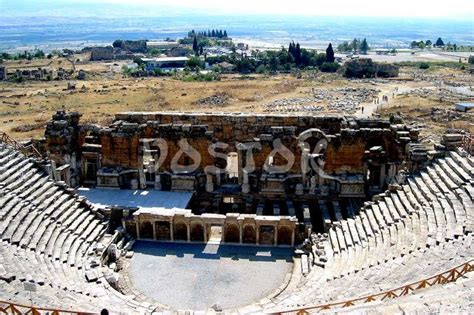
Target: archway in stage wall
(180,232)
(146,230)
(284,236)
(249,236)
(163,231)
(197,233)
(267,235)
(131,228)
(232,234)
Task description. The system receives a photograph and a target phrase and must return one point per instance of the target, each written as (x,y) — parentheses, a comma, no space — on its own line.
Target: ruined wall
(352,146)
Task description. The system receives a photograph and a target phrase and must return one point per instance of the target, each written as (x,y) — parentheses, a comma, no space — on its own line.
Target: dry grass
(23,107)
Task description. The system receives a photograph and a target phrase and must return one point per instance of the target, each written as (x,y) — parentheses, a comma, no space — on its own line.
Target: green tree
(273,63)
(320,59)
(39,54)
(428,43)
(154,52)
(439,42)
(344,47)
(471,60)
(329,54)
(329,67)
(118,43)
(195,45)
(424,65)
(138,61)
(195,63)
(297,54)
(364,47)
(355,45)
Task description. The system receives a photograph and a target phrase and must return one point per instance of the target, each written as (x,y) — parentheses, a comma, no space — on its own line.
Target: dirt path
(367,110)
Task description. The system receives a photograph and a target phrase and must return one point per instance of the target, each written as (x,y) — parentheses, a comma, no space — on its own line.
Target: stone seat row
(48,238)
(428,215)
(321,288)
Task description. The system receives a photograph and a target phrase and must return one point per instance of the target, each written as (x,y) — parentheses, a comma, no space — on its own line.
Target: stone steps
(427,211)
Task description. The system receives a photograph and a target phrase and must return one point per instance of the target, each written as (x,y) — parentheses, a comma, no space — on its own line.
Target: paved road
(196,276)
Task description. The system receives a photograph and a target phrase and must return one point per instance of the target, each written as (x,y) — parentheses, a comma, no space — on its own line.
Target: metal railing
(19,309)
(450,275)
(28,150)
(445,277)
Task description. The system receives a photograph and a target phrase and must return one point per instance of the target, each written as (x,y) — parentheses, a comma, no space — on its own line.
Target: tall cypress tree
(330,53)
(439,42)
(364,47)
(195,45)
(297,54)
(225,34)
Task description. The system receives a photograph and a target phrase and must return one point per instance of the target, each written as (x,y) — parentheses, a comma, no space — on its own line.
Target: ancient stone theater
(234,213)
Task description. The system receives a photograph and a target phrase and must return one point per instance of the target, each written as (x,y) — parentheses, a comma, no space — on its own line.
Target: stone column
(68,176)
(305,165)
(241,234)
(240,168)
(205,232)
(257,234)
(54,171)
(245,184)
(141,178)
(137,226)
(188,230)
(154,229)
(312,188)
(209,183)
(275,235)
(223,240)
(293,237)
(171,231)
(157,181)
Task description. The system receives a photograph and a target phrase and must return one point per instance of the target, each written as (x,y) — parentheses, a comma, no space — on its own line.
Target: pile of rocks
(293,105)
(441,94)
(218,99)
(345,99)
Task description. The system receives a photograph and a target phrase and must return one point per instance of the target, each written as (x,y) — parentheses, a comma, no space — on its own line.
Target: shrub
(424,65)
(329,67)
(262,69)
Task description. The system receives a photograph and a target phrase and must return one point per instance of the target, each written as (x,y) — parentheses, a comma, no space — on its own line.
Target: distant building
(161,45)
(165,63)
(3,73)
(464,107)
(102,53)
(382,51)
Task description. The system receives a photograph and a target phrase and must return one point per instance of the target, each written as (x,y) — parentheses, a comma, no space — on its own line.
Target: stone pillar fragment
(209,183)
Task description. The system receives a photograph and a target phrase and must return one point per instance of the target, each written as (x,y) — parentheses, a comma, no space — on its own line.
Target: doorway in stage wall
(215,234)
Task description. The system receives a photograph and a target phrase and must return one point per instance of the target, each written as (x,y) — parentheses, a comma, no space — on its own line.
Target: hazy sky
(398,8)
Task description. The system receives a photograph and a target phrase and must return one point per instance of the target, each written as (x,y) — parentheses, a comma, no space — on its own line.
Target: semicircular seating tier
(50,237)
(411,232)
